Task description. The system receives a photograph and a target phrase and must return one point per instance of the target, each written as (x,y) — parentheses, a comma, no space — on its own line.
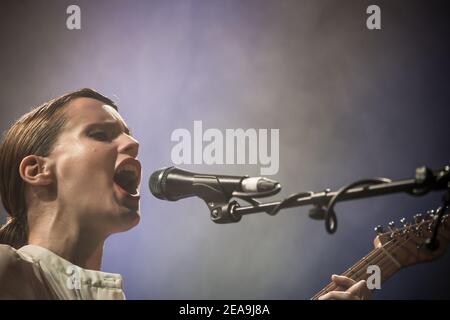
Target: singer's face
(97,174)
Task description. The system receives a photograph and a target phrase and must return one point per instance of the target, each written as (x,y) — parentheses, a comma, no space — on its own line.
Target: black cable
(282,204)
(287,201)
(330,214)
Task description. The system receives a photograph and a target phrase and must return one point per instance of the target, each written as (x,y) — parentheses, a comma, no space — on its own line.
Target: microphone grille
(156,183)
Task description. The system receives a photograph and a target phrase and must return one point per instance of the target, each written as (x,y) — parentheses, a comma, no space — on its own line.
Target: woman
(69,178)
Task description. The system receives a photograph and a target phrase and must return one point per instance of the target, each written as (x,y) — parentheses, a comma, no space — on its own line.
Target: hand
(347,289)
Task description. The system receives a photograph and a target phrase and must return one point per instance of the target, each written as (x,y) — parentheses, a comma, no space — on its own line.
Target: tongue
(123,180)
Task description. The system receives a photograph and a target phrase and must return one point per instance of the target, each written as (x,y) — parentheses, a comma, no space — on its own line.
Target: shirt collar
(59,266)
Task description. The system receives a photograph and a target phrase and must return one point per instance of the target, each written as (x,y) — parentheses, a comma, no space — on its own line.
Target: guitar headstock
(408,243)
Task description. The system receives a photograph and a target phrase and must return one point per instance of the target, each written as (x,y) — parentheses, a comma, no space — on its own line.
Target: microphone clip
(217,199)
(224,212)
(218,202)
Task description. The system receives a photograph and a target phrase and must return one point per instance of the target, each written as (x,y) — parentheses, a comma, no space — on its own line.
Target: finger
(360,289)
(338,295)
(342,281)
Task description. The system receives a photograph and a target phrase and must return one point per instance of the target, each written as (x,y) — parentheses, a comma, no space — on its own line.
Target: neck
(67,239)
(380,256)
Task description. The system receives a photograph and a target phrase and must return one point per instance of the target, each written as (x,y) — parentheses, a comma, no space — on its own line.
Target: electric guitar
(399,248)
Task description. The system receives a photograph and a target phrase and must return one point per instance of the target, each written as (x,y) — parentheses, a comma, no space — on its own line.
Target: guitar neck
(398,248)
(380,256)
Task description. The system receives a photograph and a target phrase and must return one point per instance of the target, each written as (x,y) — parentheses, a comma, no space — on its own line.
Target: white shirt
(33,272)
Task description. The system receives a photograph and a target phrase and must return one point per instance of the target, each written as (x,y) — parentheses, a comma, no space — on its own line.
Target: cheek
(86,168)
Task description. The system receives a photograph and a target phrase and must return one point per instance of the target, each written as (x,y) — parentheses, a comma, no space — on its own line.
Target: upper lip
(135,164)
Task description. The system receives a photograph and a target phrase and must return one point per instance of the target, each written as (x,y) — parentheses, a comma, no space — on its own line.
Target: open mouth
(128,176)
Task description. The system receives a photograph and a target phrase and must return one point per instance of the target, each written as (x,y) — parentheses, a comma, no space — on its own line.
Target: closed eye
(99,135)
(105,131)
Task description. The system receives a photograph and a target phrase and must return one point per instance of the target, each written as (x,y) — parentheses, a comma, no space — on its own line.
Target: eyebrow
(110,123)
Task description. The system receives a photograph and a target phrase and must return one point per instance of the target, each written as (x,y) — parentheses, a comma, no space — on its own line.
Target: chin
(132,219)
(126,221)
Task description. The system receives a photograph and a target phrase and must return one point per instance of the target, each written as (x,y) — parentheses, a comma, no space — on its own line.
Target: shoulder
(9,259)
(16,275)
(9,269)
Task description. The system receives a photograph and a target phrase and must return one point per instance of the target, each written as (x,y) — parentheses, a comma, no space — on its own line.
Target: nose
(128,145)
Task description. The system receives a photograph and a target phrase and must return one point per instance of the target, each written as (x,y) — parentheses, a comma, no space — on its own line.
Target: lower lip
(134,198)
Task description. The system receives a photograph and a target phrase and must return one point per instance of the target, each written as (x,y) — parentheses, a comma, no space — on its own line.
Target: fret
(397,249)
(358,271)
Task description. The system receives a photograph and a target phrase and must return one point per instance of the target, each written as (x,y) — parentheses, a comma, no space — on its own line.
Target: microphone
(173,184)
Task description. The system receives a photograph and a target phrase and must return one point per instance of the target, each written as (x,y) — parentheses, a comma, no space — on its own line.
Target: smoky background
(349,102)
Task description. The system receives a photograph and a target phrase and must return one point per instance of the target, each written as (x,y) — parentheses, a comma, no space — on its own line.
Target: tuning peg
(391,225)
(405,226)
(430,213)
(418,218)
(379,229)
(403,221)
(418,231)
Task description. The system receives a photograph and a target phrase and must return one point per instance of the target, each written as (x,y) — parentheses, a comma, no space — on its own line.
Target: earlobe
(35,171)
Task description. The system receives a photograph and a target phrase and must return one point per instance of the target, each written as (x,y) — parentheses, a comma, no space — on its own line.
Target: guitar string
(357,269)
(391,266)
(331,286)
(372,256)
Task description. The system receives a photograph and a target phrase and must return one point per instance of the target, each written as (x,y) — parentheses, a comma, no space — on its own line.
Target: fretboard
(379,256)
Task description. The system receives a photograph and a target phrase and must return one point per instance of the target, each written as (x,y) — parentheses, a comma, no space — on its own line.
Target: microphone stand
(224,210)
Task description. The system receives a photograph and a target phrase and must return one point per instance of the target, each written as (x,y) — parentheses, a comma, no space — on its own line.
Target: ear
(35,170)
